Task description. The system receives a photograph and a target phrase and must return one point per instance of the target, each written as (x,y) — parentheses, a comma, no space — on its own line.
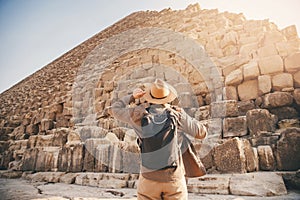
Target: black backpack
(158,141)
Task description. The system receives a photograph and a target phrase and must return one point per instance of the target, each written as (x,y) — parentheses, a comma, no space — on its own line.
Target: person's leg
(175,190)
(148,189)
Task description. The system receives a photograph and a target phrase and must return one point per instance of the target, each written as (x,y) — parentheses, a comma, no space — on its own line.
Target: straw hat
(159,92)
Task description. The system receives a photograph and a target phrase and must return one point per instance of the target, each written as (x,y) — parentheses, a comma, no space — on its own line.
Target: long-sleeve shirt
(132,115)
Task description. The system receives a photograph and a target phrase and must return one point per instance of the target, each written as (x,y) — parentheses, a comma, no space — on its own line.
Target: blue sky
(35,32)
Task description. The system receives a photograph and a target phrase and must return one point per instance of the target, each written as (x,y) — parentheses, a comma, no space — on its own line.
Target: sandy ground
(19,189)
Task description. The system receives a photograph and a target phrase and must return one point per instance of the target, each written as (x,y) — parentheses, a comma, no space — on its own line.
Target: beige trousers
(153,190)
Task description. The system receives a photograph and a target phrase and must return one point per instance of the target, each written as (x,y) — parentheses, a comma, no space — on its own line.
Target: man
(158,180)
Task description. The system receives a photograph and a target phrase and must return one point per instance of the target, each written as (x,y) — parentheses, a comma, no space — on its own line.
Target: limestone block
(230,50)
(296,78)
(281,81)
(257,184)
(230,93)
(277,99)
(244,106)
(44,140)
(47,124)
(234,78)
(270,64)
(47,159)
(64,159)
(264,84)
(200,89)
(268,50)
(230,63)
(289,123)
(266,158)
(234,126)
(230,38)
(29,159)
(252,163)
(288,148)
(209,184)
(91,147)
(290,32)
(53,177)
(224,160)
(32,129)
(265,138)
(248,90)
(250,71)
(296,95)
(18,132)
(73,138)
(68,178)
(259,120)
(214,128)
(248,49)
(222,109)
(102,158)
(285,112)
(272,37)
(292,62)
(88,179)
(76,164)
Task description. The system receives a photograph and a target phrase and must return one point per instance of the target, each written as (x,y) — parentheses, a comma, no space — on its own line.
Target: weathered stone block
(259,120)
(47,159)
(234,127)
(270,64)
(266,158)
(268,50)
(250,71)
(230,93)
(296,95)
(244,106)
(32,129)
(272,37)
(209,184)
(252,162)
(224,160)
(292,62)
(248,49)
(222,109)
(47,124)
(234,78)
(257,184)
(277,99)
(230,38)
(248,90)
(289,123)
(68,178)
(296,78)
(281,81)
(290,32)
(285,112)
(265,138)
(288,148)
(264,84)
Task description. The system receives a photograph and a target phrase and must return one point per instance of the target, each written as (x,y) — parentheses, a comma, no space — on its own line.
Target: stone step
(249,184)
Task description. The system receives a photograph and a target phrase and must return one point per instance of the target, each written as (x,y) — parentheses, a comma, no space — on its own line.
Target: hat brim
(168,99)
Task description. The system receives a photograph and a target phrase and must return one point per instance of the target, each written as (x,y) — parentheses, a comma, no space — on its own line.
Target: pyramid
(240,77)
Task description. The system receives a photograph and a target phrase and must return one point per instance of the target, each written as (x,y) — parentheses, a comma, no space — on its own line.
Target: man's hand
(138,93)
